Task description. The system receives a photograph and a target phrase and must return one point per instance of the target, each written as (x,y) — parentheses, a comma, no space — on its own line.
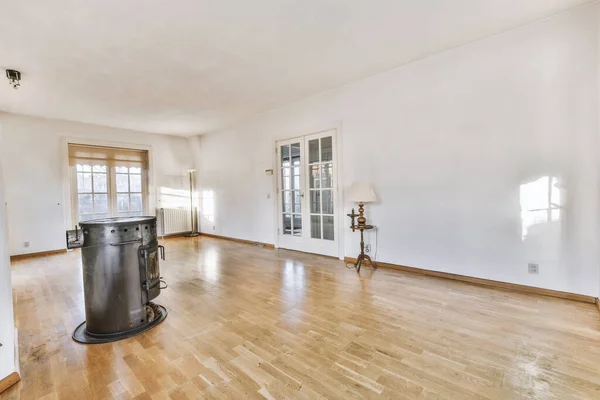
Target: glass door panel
(320,170)
(291,189)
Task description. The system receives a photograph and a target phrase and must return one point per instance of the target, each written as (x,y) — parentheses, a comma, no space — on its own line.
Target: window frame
(111,193)
(77,193)
(142,191)
(82,138)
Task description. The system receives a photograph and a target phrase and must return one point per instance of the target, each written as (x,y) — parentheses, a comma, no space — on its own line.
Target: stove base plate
(81,334)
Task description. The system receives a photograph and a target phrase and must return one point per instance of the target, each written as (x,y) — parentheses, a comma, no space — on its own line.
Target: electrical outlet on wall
(213,227)
(367,248)
(27,244)
(533,268)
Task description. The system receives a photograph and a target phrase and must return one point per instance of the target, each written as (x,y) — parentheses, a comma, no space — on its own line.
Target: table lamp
(361,193)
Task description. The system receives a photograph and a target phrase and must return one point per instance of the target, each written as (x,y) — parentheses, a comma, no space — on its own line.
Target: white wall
(7,325)
(36,177)
(447,143)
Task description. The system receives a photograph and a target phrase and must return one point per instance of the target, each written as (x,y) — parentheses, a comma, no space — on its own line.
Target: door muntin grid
(321,188)
(291,189)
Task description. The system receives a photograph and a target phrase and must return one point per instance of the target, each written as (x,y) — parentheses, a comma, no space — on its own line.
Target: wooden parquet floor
(252,323)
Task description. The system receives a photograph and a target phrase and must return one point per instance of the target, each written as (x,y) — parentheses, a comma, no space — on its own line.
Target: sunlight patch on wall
(208,205)
(174,198)
(541,202)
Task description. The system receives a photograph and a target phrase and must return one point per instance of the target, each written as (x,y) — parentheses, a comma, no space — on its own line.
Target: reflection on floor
(246,322)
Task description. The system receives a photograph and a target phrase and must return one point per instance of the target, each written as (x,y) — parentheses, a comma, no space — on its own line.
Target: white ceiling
(191,66)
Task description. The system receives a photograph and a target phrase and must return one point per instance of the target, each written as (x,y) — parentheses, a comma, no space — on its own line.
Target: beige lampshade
(361,192)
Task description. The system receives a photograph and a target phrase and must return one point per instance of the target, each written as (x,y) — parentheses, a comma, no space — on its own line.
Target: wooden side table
(362,256)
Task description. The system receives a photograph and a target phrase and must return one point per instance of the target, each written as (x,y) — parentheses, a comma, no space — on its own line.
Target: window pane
(99,168)
(315,226)
(297,201)
(100,203)
(296,182)
(286,179)
(122,202)
(328,227)
(86,168)
(79,168)
(285,156)
(286,201)
(136,202)
(100,185)
(135,170)
(326,150)
(314,176)
(295,153)
(84,182)
(122,183)
(85,204)
(315,201)
(313,151)
(327,201)
(135,183)
(297,225)
(287,224)
(122,170)
(326,176)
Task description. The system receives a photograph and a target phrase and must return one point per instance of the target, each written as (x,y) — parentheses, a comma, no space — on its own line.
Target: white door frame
(340,224)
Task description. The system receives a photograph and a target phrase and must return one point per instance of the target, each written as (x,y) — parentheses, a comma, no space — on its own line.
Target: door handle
(162,251)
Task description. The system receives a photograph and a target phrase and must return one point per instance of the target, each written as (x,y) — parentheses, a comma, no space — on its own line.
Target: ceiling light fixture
(14,77)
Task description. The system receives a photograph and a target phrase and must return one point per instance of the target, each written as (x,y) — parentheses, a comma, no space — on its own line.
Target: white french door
(307,194)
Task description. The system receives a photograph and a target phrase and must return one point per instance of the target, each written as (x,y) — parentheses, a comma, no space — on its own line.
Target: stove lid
(118,221)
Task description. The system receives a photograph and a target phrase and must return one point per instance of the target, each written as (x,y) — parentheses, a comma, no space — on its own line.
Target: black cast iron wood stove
(121,275)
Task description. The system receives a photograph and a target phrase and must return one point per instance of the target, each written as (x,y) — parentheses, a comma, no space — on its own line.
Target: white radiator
(172,221)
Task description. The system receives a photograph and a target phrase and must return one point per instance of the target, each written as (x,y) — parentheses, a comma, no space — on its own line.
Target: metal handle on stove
(127,242)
